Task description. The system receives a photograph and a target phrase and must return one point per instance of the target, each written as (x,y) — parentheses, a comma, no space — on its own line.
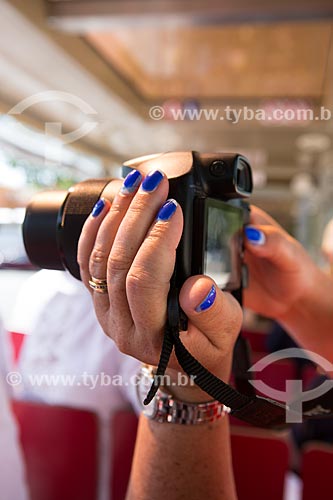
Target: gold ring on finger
(98,285)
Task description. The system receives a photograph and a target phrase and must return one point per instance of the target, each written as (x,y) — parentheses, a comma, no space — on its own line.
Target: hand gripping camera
(211,189)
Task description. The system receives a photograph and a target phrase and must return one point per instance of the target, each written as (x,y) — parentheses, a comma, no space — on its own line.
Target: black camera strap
(245,405)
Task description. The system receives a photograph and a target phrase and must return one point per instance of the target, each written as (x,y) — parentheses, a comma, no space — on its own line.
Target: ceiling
(122,58)
(214,63)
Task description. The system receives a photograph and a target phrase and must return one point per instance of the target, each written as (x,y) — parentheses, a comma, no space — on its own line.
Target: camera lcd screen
(223,243)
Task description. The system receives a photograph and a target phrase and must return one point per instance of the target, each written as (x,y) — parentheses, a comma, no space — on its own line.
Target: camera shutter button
(217,168)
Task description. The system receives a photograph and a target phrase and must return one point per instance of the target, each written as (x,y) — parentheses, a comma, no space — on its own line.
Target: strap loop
(249,407)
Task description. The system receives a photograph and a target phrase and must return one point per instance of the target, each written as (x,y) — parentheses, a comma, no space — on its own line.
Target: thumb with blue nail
(215,318)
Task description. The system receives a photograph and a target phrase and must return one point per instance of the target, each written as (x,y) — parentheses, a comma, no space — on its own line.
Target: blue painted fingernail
(98,207)
(131,182)
(254,235)
(167,210)
(152,180)
(208,300)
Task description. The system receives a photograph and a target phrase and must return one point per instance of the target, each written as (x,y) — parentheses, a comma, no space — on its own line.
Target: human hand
(281,273)
(133,244)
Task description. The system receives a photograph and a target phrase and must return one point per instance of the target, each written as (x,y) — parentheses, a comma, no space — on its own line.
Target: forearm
(310,320)
(177,462)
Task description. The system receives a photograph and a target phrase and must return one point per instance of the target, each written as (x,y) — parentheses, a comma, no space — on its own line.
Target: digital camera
(210,188)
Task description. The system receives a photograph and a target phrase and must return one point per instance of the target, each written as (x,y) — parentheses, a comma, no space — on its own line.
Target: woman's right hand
(285,284)
(281,273)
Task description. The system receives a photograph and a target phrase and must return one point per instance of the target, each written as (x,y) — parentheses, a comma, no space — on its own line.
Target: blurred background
(86,85)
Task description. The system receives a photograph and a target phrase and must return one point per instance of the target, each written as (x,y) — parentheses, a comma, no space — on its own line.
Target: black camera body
(210,188)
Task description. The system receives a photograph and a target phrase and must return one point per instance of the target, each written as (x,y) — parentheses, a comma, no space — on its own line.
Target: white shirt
(77,364)
(12,479)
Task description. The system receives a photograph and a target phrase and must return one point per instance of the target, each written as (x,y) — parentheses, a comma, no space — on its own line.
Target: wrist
(309,319)
(306,296)
(167,407)
(180,386)
(187,392)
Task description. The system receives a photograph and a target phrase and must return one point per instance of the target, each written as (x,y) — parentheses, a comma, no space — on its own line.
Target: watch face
(145,382)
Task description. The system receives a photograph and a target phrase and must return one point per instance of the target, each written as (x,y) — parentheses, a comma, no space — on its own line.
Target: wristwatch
(164,408)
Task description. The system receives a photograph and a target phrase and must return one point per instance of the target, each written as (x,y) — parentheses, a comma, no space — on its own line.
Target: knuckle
(140,205)
(233,323)
(98,256)
(117,207)
(117,264)
(280,244)
(158,241)
(122,344)
(147,277)
(138,280)
(157,233)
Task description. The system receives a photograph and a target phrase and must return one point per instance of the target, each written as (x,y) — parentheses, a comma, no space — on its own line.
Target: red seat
(60,447)
(260,461)
(309,374)
(276,374)
(123,430)
(317,467)
(16,340)
(257,340)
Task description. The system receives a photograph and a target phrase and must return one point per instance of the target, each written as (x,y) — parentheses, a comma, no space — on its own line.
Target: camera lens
(53,224)
(41,227)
